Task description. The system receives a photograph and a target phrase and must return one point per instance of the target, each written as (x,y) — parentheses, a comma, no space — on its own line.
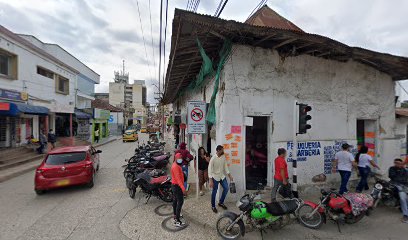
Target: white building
(267,69)
(49,77)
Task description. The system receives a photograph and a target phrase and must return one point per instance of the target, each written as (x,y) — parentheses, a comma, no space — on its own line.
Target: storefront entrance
(256,155)
(62,127)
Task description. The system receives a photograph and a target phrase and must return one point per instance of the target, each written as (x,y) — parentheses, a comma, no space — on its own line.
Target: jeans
(178,200)
(184,168)
(403,201)
(225,188)
(345,176)
(40,150)
(276,185)
(364,172)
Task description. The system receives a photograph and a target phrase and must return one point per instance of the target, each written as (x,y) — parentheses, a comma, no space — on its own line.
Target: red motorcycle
(349,208)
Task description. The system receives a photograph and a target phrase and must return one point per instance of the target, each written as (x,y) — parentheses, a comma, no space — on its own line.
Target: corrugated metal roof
(104,104)
(401,112)
(266,17)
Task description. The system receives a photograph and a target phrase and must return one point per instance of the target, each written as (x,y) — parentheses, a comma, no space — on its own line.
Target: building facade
(254,88)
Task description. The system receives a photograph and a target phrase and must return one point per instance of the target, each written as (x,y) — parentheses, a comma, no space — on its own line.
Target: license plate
(62,182)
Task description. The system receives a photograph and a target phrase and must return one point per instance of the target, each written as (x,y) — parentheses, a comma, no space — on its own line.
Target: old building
(251,74)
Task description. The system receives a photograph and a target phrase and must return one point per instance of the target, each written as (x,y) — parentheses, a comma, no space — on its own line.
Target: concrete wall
(258,82)
(41,89)
(116,93)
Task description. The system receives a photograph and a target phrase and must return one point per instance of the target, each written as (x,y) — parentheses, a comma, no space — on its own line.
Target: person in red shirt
(281,172)
(177,186)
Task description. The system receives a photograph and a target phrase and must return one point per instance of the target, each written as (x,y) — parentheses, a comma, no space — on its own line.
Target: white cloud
(101,32)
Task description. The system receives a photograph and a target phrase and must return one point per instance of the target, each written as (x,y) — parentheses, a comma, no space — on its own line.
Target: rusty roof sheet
(266,17)
(401,112)
(185,61)
(104,104)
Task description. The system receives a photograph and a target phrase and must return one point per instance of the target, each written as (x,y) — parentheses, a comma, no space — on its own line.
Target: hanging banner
(196,117)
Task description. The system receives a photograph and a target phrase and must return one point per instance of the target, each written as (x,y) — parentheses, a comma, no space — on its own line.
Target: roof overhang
(185,60)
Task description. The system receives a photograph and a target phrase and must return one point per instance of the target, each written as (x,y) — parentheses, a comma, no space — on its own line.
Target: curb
(16,174)
(112,140)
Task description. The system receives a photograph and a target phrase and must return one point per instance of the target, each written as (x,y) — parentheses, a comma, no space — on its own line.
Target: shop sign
(101,113)
(196,117)
(13,95)
(4,106)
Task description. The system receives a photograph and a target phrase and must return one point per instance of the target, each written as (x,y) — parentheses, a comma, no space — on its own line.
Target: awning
(14,109)
(82,115)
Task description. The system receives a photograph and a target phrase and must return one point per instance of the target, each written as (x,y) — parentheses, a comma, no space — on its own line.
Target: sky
(102,33)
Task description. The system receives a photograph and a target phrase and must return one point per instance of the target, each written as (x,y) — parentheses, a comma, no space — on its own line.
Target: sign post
(196,125)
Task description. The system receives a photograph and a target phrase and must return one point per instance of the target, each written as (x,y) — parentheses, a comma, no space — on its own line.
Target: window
(44,72)
(62,85)
(8,64)
(60,159)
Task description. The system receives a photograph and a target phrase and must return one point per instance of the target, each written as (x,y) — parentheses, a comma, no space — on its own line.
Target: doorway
(366,135)
(256,155)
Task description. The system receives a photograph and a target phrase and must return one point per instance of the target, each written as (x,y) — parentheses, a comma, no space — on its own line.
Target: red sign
(183,126)
(236,129)
(197,114)
(4,106)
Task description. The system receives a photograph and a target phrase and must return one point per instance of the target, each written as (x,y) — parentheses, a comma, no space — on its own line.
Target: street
(107,212)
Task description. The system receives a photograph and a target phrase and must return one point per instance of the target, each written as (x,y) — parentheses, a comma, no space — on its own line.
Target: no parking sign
(196,117)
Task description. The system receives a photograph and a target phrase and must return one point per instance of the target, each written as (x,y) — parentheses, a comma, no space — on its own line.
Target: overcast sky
(103,32)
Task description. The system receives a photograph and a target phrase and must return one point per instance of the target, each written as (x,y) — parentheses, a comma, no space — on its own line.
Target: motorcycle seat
(158,180)
(160,158)
(282,207)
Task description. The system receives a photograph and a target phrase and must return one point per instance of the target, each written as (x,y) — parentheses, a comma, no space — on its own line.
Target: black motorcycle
(159,187)
(385,192)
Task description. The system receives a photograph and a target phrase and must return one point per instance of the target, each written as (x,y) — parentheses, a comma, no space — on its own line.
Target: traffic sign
(196,117)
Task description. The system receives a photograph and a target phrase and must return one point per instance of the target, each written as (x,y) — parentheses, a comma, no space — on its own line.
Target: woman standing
(364,161)
(203,160)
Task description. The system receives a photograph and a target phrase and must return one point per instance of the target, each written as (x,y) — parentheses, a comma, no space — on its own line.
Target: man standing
(97,135)
(344,162)
(52,139)
(217,169)
(177,186)
(399,176)
(280,179)
(43,142)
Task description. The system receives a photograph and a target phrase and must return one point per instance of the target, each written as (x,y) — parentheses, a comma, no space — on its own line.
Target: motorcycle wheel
(351,219)
(166,194)
(132,192)
(223,223)
(315,221)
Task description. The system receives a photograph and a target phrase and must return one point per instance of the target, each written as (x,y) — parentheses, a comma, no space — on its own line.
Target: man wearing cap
(344,162)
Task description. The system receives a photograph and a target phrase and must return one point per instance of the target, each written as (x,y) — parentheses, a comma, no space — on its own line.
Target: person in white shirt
(344,162)
(217,169)
(364,161)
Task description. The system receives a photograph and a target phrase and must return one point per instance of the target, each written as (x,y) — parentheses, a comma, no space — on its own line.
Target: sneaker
(179,224)
(201,193)
(214,210)
(405,219)
(188,187)
(223,206)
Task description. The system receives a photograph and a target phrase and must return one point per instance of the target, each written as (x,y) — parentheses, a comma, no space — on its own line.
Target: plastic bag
(232,187)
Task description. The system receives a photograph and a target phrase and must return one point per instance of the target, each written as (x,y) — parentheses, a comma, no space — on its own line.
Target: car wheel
(39,192)
(91,183)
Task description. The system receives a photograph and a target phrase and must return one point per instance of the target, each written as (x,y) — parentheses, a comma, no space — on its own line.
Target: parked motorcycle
(349,208)
(258,214)
(159,187)
(385,192)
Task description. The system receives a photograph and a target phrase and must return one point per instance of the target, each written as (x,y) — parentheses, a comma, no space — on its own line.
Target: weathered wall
(258,82)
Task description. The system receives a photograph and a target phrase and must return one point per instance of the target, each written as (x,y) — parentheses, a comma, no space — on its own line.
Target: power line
(144,42)
(260,4)
(196,5)
(165,39)
(222,8)
(160,41)
(151,34)
(188,4)
(218,8)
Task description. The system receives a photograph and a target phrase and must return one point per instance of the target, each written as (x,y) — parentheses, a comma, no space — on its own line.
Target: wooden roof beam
(264,39)
(323,54)
(284,43)
(217,35)
(305,45)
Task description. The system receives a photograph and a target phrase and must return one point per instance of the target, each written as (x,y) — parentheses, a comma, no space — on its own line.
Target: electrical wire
(160,41)
(222,8)
(151,34)
(260,4)
(218,8)
(144,41)
(196,6)
(164,43)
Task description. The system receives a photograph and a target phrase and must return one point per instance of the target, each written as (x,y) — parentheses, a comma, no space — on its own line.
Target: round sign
(197,114)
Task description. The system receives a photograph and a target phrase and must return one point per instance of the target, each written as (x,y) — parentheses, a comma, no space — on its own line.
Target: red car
(67,166)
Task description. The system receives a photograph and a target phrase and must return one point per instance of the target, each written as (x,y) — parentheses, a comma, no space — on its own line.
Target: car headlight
(378,186)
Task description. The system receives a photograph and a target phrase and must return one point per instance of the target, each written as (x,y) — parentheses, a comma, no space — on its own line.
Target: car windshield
(64,158)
